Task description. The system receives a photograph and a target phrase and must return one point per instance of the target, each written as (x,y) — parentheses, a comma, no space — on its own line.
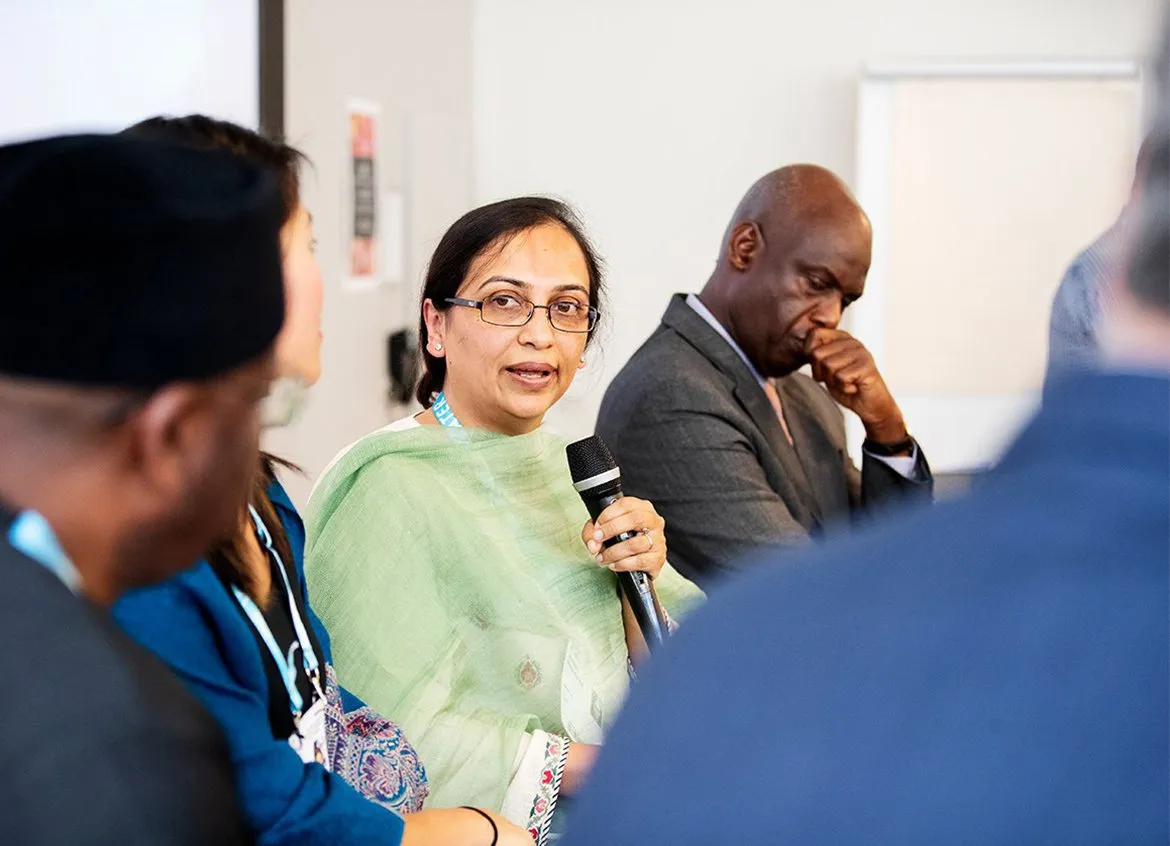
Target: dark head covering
(132,263)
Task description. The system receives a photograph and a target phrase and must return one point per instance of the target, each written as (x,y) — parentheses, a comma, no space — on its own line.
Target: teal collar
(31,534)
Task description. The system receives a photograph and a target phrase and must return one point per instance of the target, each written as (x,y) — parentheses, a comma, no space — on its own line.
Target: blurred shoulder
(78,671)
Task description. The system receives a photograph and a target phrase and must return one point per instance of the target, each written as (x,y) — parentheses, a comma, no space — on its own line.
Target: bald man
(711,422)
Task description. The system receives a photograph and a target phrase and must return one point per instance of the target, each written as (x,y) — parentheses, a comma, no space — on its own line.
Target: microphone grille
(588,458)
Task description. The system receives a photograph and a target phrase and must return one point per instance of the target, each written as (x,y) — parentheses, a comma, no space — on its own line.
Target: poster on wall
(361,207)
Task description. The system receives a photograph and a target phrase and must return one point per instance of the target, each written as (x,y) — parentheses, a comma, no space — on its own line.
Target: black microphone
(599,482)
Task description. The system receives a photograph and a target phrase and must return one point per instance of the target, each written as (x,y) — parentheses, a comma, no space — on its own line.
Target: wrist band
(491,822)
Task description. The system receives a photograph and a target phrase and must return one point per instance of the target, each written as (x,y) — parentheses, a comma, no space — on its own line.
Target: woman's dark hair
(207,133)
(229,557)
(468,239)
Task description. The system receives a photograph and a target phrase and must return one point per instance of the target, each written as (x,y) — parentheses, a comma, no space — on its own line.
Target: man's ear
(162,435)
(745,245)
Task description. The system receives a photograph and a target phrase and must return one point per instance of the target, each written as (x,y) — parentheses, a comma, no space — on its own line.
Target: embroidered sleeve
(671,624)
(373,755)
(531,799)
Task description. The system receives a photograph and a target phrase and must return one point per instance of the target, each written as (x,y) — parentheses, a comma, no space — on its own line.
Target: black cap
(132,263)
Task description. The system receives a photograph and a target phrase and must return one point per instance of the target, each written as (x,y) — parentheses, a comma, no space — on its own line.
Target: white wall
(966,177)
(413,59)
(654,116)
(102,64)
(70,65)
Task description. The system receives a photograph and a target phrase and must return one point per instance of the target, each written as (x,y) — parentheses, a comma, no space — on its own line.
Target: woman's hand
(510,834)
(645,552)
(460,827)
(577,767)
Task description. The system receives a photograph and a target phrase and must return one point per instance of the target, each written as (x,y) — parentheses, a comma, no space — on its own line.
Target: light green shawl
(448,568)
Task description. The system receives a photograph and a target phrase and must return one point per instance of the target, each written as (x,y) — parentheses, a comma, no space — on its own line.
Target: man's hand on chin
(847,370)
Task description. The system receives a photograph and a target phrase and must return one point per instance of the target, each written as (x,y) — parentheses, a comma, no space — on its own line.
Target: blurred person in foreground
(142,295)
(313,763)
(711,422)
(1087,290)
(995,671)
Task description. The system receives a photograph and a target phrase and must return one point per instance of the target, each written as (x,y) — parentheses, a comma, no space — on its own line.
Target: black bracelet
(491,822)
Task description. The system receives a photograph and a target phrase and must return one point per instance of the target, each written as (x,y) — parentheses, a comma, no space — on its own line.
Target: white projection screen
(982,184)
(78,65)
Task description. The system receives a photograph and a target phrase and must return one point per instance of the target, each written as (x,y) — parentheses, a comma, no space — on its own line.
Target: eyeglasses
(280,407)
(567,315)
(283,405)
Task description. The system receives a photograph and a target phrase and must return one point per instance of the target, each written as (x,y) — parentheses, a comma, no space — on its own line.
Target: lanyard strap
(443,412)
(284,666)
(310,656)
(284,663)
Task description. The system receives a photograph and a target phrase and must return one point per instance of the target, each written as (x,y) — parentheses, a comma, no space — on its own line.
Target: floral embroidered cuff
(531,799)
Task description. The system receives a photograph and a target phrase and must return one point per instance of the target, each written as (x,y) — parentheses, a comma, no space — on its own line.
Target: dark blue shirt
(993,671)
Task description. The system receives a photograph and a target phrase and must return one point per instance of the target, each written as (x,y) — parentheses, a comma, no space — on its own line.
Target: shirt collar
(697,306)
(31,534)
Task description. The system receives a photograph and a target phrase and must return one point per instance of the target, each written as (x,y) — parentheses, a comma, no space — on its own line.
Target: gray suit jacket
(105,746)
(695,434)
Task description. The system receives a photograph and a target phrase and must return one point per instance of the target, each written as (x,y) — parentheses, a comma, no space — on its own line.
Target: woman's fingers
(592,543)
(618,553)
(628,514)
(624,524)
(645,553)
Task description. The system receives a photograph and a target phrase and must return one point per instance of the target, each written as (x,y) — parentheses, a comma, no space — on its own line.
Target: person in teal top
(194,623)
(313,764)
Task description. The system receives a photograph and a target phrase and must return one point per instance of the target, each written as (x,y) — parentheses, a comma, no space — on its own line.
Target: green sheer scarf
(448,568)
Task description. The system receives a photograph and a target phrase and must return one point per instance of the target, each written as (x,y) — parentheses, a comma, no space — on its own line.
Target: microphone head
(589,458)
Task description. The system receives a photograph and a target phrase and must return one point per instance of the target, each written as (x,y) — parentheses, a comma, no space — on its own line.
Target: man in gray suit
(711,422)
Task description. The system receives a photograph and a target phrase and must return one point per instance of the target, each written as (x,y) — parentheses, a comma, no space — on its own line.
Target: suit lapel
(756,403)
(682,318)
(699,334)
(818,455)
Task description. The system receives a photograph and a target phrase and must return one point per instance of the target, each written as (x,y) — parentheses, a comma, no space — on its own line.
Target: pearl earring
(438,346)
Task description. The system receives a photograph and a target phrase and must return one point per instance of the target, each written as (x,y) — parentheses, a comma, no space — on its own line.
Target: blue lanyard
(443,412)
(284,664)
(31,534)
